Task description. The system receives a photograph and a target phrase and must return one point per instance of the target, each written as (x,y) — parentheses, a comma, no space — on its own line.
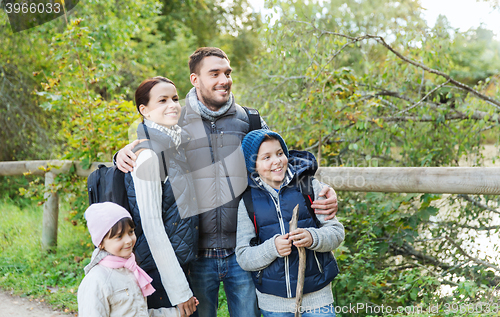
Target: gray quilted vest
(218,170)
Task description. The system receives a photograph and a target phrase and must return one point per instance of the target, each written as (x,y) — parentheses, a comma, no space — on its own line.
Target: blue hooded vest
(273,217)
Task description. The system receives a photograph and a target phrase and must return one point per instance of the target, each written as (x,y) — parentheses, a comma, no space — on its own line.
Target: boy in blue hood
(264,244)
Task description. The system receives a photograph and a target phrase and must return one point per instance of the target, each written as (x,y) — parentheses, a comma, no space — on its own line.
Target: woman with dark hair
(160,192)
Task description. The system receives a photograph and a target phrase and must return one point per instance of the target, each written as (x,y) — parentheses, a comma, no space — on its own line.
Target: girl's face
(163,106)
(271,163)
(121,244)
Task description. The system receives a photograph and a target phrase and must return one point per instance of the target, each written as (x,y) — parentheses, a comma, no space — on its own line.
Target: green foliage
(322,76)
(222,310)
(86,89)
(10,187)
(26,131)
(331,85)
(187,25)
(26,270)
(87,86)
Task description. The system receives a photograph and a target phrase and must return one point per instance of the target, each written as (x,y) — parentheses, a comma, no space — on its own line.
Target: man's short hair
(196,58)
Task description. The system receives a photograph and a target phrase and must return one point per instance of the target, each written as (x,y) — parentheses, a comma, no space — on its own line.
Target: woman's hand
(189,307)
(301,238)
(125,159)
(283,245)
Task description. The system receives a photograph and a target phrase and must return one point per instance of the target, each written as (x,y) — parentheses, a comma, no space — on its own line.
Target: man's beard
(211,102)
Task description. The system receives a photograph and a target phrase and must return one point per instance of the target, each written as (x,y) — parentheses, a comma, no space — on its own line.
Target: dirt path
(14,306)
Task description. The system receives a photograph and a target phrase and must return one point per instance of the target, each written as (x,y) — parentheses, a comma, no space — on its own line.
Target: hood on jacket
(97,256)
(300,164)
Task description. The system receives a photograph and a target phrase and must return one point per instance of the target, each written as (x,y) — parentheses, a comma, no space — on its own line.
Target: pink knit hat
(101,217)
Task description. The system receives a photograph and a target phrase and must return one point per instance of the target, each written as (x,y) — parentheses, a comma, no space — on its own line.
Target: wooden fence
(51,205)
(444,180)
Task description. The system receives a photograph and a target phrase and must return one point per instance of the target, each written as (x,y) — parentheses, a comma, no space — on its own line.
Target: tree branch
(408,250)
(421,100)
(478,203)
(382,41)
(475,260)
(439,73)
(451,224)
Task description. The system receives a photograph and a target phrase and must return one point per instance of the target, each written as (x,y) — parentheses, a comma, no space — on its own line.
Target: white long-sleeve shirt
(149,199)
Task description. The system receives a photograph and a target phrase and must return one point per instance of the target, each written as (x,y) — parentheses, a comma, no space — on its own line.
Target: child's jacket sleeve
(92,298)
(330,234)
(257,257)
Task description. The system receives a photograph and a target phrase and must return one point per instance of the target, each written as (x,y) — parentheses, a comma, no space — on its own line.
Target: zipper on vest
(259,277)
(280,216)
(287,262)
(215,157)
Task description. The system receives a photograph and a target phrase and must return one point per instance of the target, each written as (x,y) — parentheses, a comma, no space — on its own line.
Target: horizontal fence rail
(39,167)
(442,180)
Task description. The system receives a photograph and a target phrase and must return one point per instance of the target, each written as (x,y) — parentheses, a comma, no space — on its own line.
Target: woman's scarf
(174,132)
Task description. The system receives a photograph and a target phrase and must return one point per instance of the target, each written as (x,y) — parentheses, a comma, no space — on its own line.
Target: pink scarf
(142,277)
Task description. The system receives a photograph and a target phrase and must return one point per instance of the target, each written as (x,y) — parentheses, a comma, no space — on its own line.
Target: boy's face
(121,244)
(271,163)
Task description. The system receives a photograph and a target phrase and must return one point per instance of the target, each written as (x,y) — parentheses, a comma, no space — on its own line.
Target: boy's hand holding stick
(302,264)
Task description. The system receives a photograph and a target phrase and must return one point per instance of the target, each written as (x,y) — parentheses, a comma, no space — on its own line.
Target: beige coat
(106,292)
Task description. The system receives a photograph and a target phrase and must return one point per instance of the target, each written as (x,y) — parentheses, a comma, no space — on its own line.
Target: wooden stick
(302,265)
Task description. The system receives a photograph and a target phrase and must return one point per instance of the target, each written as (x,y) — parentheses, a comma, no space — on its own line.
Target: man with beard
(217,125)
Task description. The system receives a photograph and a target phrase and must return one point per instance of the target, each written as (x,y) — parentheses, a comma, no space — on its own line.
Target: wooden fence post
(50,216)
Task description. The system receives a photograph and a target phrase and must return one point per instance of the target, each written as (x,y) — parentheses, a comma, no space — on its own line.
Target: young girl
(114,285)
(162,201)
(274,178)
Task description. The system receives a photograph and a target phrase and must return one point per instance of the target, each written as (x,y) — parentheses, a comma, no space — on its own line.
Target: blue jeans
(328,310)
(206,275)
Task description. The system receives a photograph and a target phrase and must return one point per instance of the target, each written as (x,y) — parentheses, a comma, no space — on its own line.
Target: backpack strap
(307,190)
(247,199)
(149,145)
(102,182)
(93,184)
(253,118)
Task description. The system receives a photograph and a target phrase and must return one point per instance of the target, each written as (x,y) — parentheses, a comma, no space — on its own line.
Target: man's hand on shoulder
(125,159)
(327,206)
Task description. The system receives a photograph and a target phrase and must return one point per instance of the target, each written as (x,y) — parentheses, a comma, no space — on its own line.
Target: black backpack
(108,183)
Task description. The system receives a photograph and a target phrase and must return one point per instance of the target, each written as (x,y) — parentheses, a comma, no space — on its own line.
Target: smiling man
(212,80)
(217,125)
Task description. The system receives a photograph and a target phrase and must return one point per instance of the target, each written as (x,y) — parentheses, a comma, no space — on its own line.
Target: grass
(54,278)
(27,271)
